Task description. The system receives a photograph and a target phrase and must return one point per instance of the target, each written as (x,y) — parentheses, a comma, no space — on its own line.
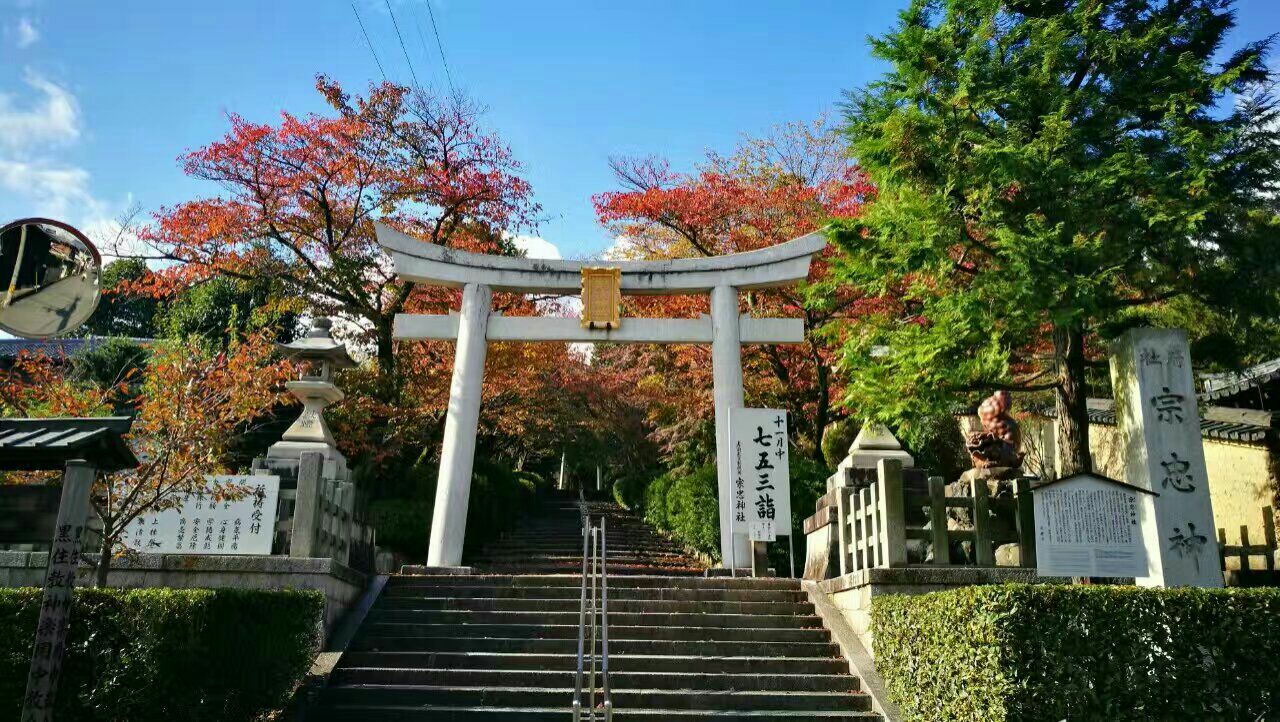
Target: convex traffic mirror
(49,278)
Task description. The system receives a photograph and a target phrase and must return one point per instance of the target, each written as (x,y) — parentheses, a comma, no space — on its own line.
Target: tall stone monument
(1159,424)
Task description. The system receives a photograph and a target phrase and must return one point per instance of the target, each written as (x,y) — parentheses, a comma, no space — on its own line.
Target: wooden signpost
(81,448)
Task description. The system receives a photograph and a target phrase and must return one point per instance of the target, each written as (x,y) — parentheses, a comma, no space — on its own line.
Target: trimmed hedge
(167,654)
(1050,652)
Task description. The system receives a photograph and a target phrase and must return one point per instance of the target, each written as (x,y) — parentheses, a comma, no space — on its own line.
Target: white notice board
(761,472)
(1090,526)
(203,525)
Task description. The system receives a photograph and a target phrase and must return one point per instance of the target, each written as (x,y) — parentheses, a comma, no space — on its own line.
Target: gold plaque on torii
(601,297)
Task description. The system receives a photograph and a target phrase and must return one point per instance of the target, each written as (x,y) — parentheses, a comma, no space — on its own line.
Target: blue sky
(98,98)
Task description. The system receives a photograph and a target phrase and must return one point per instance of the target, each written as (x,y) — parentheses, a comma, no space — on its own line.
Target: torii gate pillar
(457,455)
(726,369)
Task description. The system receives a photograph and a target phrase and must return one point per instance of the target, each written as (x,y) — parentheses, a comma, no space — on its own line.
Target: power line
(373,52)
(403,49)
(439,45)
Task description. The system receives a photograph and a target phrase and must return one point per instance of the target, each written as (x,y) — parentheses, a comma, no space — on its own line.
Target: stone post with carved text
(1159,425)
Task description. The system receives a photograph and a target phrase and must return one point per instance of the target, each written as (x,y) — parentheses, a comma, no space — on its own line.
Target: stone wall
(341,585)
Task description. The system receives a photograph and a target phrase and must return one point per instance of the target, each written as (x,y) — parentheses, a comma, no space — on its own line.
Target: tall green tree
(1049,172)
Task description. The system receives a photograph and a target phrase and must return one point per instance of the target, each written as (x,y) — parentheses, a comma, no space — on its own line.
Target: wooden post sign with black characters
(81,448)
(1159,423)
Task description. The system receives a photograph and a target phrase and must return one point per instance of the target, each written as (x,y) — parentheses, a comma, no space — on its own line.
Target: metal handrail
(604,621)
(582,625)
(594,573)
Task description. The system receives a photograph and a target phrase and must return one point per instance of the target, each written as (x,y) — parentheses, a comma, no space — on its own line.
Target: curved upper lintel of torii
(781,265)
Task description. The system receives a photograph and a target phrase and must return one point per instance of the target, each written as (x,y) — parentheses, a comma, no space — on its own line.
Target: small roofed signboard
(1090,526)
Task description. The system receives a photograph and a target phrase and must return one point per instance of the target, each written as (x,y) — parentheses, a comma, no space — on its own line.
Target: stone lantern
(320,355)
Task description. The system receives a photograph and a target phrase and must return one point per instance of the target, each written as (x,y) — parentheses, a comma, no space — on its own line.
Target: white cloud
(26,33)
(622,249)
(50,190)
(537,247)
(33,180)
(53,119)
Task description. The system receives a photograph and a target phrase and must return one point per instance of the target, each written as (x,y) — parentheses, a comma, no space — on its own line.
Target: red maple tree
(300,197)
(768,191)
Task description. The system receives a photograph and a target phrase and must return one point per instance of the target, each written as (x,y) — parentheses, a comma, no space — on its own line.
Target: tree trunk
(104,562)
(1070,402)
(386,358)
(823,409)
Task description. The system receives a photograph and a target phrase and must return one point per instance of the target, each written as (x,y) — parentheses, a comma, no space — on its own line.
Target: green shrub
(655,501)
(693,511)
(836,440)
(629,491)
(166,654)
(403,525)
(1043,652)
(498,497)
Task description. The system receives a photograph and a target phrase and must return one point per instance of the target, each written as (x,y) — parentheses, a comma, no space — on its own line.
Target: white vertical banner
(761,472)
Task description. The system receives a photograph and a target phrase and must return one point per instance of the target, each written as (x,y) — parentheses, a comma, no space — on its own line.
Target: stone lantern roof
(319,345)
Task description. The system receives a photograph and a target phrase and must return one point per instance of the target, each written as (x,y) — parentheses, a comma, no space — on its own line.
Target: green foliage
(211,309)
(1027,653)
(119,313)
(1063,166)
(837,439)
(402,525)
(109,362)
(167,654)
(498,497)
(629,490)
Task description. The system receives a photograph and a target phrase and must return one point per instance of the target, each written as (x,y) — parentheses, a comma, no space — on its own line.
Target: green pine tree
(1050,172)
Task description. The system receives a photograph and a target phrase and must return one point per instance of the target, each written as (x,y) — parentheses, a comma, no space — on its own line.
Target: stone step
(574,592)
(412,695)
(435,713)
(573,604)
(615,570)
(387,629)
(446,642)
(618,680)
(575,580)
(517,553)
(569,617)
(617,662)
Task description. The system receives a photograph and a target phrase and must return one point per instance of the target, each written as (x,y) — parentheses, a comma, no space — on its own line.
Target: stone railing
(890,517)
(320,514)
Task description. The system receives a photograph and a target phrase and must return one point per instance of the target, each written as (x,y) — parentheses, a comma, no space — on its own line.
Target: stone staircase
(501,646)
(549,541)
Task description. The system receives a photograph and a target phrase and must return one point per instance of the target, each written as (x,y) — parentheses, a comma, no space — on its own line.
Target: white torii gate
(475,325)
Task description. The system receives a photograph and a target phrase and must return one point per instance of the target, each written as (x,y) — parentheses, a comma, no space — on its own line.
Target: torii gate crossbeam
(475,325)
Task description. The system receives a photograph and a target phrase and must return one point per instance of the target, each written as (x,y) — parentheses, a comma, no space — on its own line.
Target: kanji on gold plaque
(601,297)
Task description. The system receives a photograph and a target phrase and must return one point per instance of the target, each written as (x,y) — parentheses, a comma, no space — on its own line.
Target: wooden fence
(1245,574)
(876,519)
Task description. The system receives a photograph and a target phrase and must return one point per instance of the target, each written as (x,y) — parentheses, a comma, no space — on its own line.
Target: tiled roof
(1237,431)
(1217,386)
(56,347)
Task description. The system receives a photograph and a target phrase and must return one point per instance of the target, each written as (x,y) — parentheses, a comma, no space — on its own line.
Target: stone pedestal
(1159,425)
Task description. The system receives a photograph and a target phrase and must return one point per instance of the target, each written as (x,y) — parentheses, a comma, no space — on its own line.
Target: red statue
(997,444)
